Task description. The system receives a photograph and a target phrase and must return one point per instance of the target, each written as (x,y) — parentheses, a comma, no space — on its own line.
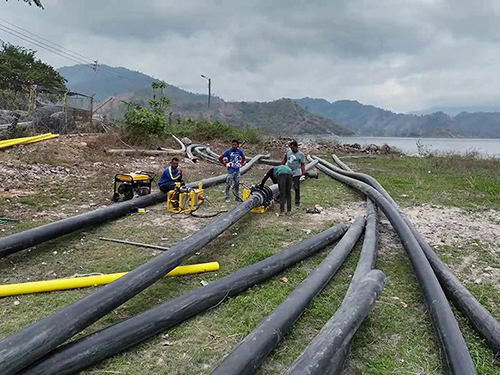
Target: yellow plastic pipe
(27,140)
(86,281)
(43,137)
(23,139)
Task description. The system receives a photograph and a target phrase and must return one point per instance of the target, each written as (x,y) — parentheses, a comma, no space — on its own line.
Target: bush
(251,135)
(141,123)
(208,130)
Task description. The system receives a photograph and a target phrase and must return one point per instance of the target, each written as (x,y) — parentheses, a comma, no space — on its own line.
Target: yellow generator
(131,184)
(184,199)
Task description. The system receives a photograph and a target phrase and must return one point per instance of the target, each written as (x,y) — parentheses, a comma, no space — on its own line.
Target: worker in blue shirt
(170,176)
(233,159)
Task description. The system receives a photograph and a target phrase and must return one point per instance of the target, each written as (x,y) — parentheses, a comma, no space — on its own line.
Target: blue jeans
(233,179)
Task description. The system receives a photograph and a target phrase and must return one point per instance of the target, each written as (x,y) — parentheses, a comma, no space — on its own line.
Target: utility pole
(209,89)
(91,108)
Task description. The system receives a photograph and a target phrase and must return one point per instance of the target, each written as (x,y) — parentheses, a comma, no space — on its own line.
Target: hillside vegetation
(372,121)
(282,116)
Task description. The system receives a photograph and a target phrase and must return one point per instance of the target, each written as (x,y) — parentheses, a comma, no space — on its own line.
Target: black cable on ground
(156,247)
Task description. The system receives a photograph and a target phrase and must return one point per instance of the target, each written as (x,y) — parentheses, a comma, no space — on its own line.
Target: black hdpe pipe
(320,355)
(75,356)
(38,235)
(199,151)
(367,260)
(209,151)
(23,348)
(366,263)
(456,357)
(480,318)
(251,352)
(189,151)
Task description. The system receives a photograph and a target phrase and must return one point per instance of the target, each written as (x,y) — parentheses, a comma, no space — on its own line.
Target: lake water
(484,147)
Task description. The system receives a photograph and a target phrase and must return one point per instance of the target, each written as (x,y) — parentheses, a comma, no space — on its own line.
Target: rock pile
(323,147)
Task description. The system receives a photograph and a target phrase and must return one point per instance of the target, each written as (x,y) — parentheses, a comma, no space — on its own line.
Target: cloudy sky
(399,55)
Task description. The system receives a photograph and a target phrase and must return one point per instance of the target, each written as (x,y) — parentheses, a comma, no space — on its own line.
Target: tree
(19,69)
(147,123)
(38,3)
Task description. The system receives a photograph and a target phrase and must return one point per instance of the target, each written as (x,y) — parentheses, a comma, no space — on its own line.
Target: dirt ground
(38,168)
(56,168)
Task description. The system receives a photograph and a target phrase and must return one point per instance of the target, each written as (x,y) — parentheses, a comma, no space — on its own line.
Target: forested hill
(372,121)
(282,116)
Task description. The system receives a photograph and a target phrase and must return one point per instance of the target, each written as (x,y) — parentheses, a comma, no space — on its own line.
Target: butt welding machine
(184,199)
(266,193)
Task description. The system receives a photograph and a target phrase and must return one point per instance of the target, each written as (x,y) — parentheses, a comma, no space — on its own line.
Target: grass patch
(397,337)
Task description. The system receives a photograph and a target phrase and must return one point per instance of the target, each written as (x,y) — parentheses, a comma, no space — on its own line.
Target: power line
(59,53)
(60,50)
(41,37)
(73,56)
(41,46)
(35,36)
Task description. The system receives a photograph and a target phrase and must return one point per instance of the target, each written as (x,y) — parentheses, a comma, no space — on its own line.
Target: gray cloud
(397,55)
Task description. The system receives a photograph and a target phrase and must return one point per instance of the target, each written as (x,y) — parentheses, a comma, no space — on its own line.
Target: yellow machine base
(256,210)
(184,202)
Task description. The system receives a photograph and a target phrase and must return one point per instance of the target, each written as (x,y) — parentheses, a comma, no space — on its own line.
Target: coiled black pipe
(270,162)
(199,151)
(89,350)
(31,237)
(479,317)
(250,353)
(189,151)
(456,357)
(319,356)
(209,151)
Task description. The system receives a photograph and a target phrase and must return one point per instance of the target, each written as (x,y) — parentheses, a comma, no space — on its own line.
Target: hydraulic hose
(456,357)
(319,356)
(480,318)
(21,349)
(252,351)
(38,235)
(75,356)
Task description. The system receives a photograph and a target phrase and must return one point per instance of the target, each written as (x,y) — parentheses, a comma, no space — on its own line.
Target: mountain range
(283,116)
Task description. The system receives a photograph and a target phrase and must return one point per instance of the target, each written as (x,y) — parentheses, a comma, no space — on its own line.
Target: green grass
(449,180)
(396,338)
